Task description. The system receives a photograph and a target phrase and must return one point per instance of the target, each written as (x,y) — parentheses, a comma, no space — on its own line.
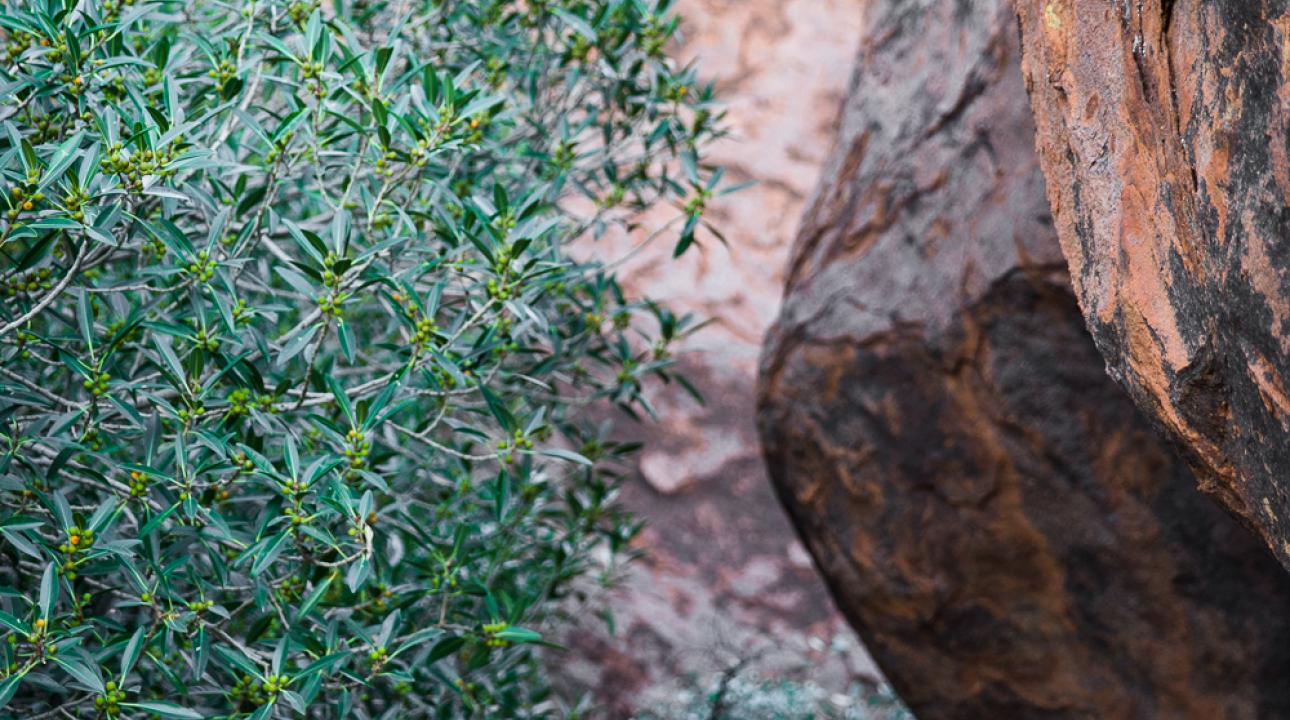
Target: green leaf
(9,687)
(133,650)
(314,598)
(498,409)
(444,648)
(48,592)
(578,24)
(293,699)
(166,710)
(416,639)
(23,545)
(62,510)
(239,661)
(342,400)
(687,240)
(519,635)
(269,553)
(323,664)
(30,162)
(690,164)
(293,458)
(280,655)
(15,624)
(346,334)
(86,319)
(61,160)
(170,359)
(152,525)
(566,455)
(357,574)
(86,674)
(312,246)
(298,282)
(297,344)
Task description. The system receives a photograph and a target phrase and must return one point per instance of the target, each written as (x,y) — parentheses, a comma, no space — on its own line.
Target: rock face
(1007,535)
(724,581)
(1163,131)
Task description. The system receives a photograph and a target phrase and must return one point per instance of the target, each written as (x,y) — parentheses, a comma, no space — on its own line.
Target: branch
(50,297)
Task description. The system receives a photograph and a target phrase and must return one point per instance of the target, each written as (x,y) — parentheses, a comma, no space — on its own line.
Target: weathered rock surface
(1164,132)
(1008,536)
(724,581)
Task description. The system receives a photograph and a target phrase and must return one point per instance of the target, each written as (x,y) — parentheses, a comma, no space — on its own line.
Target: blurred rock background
(727,597)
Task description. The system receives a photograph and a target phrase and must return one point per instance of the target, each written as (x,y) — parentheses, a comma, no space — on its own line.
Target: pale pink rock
(726,577)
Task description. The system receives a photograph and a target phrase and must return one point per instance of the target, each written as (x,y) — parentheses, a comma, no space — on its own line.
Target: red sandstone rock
(1008,536)
(1163,128)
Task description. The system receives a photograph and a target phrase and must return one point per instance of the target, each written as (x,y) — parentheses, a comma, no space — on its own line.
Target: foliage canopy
(296,360)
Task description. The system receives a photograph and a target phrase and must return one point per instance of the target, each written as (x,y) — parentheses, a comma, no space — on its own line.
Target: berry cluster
(247,694)
(133,167)
(19,43)
(490,635)
(74,200)
(92,439)
(426,334)
(243,464)
(274,684)
(510,445)
(78,540)
(239,403)
(98,385)
(28,282)
(194,411)
(300,10)
(109,703)
(112,9)
(385,164)
(205,340)
(25,197)
(223,73)
(357,448)
(202,267)
(153,248)
(332,305)
(420,153)
(138,484)
(24,339)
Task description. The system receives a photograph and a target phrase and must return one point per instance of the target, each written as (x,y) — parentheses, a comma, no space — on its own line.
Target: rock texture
(1007,535)
(1164,132)
(724,582)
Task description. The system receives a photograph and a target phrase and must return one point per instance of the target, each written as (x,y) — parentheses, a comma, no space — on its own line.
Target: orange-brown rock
(1008,536)
(1163,130)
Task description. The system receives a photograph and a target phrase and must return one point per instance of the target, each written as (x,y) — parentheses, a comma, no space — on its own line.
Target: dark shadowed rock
(1164,131)
(1007,535)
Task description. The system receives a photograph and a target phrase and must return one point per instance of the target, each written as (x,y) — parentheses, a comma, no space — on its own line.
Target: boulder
(1006,533)
(1164,132)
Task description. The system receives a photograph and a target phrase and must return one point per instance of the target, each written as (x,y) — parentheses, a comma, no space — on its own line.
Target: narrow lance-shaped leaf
(48,593)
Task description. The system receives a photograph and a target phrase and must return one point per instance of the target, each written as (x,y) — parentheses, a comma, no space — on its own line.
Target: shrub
(296,358)
(749,698)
